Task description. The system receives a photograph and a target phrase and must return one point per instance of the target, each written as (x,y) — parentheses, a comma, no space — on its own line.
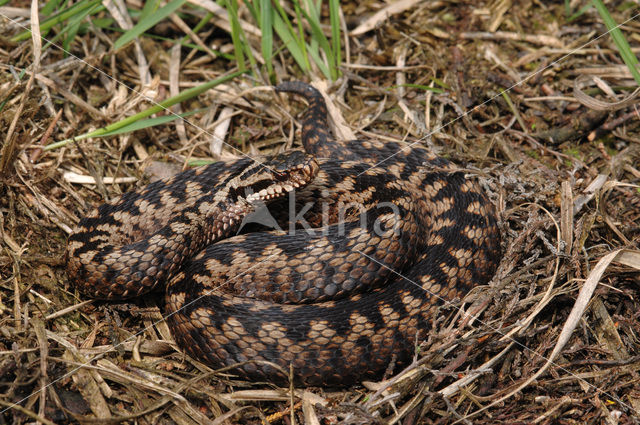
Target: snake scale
(373,238)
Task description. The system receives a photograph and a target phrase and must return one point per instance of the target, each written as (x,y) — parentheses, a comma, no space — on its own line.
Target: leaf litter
(552,339)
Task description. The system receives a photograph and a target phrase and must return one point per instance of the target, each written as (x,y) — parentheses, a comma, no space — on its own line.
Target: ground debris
(496,99)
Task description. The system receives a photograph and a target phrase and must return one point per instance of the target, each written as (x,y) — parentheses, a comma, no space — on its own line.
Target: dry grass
(564,177)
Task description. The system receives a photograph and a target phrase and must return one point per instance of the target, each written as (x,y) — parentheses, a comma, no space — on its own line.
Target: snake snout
(280,175)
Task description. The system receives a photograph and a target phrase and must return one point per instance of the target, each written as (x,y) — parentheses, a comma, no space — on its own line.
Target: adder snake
(389,232)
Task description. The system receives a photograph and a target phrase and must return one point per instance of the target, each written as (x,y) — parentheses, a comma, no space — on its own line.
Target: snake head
(274,177)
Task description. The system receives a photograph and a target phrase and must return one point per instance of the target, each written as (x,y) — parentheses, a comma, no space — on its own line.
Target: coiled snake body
(344,290)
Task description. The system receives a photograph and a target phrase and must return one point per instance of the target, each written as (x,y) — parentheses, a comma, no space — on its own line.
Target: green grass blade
(148,22)
(72,27)
(199,162)
(149,8)
(290,40)
(50,6)
(151,122)
(311,18)
(319,38)
(441,83)
(266,26)
(62,16)
(205,19)
(105,24)
(187,94)
(253,10)
(315,55)
(238,48)
(621,43)
(334,16)
(580,12)
(302,44)
(72,31)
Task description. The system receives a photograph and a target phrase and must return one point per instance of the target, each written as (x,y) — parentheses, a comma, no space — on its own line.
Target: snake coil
(389,233)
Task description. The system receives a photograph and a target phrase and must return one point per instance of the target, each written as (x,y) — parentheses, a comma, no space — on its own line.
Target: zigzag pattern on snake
(325,295)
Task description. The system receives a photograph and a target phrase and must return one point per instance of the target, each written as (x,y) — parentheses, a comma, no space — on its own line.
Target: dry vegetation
(558,153)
